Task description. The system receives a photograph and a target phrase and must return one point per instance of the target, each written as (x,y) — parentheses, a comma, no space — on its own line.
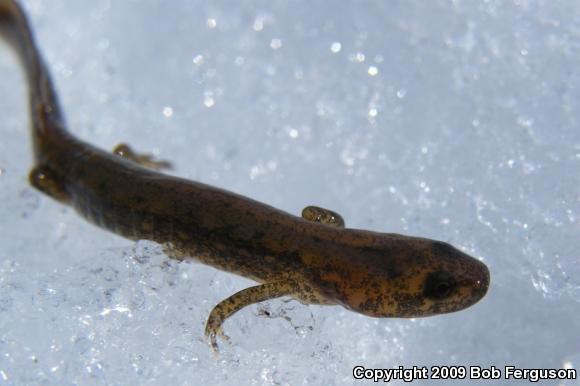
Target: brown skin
(313,259)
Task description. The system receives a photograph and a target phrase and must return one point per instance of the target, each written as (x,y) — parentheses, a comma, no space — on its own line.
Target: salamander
(313,258)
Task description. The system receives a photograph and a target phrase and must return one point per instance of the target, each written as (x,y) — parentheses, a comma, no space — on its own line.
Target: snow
(453,120)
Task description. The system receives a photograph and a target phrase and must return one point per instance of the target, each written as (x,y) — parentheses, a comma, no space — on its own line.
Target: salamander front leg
(239,300)
(48,182)
(324,216)
(146,160)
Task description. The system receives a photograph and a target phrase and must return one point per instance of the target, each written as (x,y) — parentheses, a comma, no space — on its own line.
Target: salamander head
(414,277)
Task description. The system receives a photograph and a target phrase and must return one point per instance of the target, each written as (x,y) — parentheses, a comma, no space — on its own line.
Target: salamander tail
(15,29)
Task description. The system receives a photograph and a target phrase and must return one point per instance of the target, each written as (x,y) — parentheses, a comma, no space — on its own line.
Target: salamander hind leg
(239,300)
(324,216)
(49,183)
(146,160)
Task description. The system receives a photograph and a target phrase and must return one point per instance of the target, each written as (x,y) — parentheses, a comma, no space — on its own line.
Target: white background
(454,120)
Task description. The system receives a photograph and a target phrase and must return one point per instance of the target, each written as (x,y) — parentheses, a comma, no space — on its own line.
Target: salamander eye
(439,285)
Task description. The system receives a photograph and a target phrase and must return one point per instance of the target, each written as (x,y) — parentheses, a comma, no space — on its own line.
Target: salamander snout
(459,281)
(473,284)
(479,281)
